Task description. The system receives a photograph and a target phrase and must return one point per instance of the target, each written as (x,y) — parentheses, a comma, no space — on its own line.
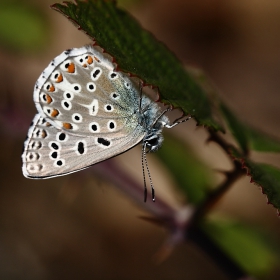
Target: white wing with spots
(50,152)
(80,88)
(87,113)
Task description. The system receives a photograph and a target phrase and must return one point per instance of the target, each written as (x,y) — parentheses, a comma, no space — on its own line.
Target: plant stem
(217,194)
(195,234)
(231,177)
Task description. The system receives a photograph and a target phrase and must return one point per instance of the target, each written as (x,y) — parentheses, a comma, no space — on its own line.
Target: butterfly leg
(178,121)
(163,113)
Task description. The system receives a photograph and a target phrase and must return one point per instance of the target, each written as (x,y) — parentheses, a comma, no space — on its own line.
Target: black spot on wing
(81,148)
(103,142)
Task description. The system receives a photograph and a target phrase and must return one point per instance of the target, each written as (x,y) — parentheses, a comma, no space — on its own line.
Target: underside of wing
(80,93)
(50,152)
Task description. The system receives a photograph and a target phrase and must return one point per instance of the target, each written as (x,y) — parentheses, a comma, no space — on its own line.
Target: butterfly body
(87,113)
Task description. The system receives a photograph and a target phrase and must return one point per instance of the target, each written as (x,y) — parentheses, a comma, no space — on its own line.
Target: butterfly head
(153,142)
(154,138)
(153,120)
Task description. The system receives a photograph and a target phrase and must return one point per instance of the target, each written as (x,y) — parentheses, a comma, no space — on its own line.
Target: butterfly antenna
(148,171)
(143,171)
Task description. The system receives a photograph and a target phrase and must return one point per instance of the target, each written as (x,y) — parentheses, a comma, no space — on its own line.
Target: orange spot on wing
(71,68)
(52,88)
(67,125)
(49,99)
(59,79)
(84,65)
(90,60)
(44,134)
(54,113)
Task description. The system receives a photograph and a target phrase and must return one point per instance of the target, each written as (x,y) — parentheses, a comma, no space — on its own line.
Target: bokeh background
(80,227)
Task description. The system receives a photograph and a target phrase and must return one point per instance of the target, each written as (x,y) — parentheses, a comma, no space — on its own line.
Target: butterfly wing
(50,152)
(87,113)
(79,92)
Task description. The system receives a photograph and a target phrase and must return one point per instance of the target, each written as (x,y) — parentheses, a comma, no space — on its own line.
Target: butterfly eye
(152,142)
(91,87)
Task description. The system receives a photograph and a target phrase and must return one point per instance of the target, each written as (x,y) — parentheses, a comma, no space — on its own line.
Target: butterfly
(88,112)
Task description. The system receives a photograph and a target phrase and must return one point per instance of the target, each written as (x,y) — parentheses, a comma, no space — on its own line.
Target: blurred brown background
(78,227)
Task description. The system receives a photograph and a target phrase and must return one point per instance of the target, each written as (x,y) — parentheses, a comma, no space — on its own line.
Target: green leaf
(22,27)
(237,129)
(247,137)
(138,52)
(268,177)
(253,250)
(262,142)
(192,176)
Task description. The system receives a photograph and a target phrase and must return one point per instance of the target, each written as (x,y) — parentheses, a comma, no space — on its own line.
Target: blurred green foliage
(22,27)
(251,248)
(192,176)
